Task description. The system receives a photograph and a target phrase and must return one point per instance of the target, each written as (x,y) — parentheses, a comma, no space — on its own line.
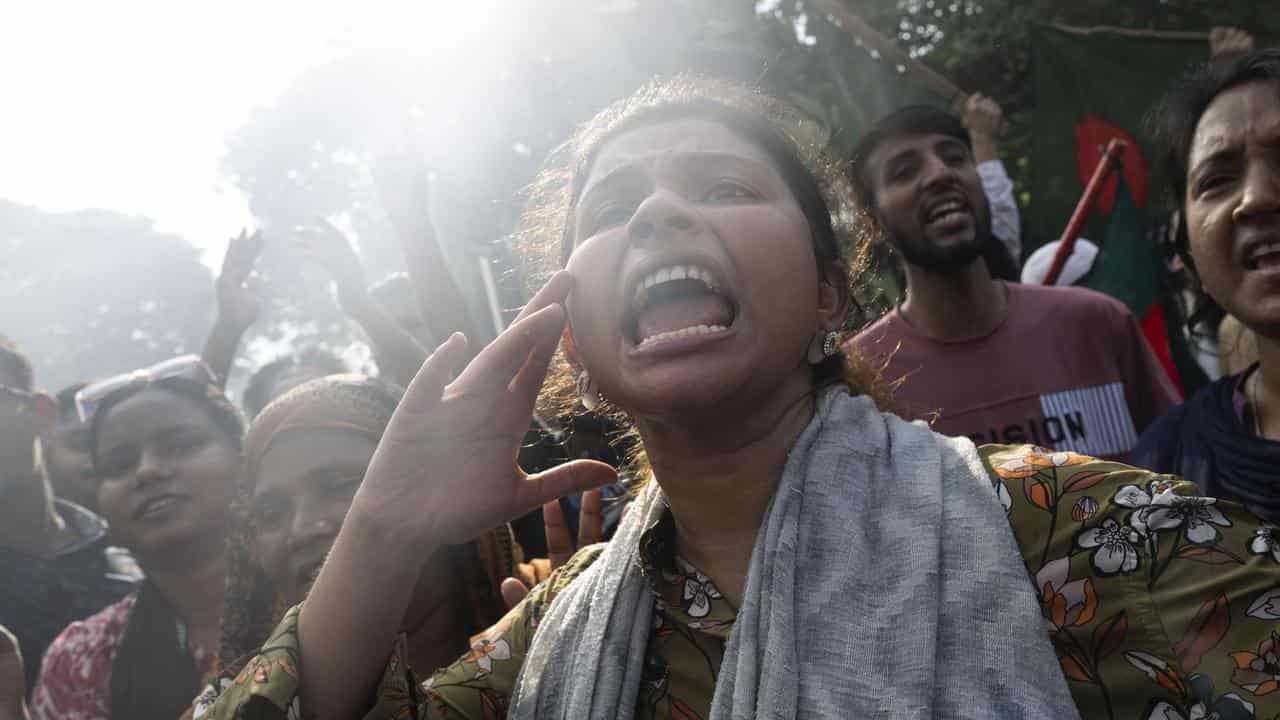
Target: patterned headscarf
(348,403)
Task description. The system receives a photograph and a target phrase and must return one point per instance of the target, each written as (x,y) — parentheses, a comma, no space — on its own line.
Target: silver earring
(823,346)
(588,391)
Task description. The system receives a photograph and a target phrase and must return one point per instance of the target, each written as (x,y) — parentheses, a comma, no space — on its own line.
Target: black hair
(1172,125)
(257,394)
(903,122)
(13,360)
(224,415)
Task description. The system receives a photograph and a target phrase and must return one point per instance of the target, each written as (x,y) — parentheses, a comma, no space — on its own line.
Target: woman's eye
(180,446)
(611,215)
(729,192)
(1210,183)
(117,463)
(344,485)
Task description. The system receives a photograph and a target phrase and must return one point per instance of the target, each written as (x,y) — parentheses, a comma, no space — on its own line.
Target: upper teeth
(674,272)
(946,207)
(1265,249)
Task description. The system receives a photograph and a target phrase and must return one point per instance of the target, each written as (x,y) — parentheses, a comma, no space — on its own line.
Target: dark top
(1209,440)
(41,596)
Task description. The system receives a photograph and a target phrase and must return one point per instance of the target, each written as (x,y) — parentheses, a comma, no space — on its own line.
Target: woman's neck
(719,478)
(193,580)
(1265,398)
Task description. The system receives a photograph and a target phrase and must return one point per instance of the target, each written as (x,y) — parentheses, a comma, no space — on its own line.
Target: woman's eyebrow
(691,158)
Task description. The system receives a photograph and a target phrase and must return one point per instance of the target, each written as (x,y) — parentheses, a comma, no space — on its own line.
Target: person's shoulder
(888,328)
(100,630)
(1070,299)
(1162,440)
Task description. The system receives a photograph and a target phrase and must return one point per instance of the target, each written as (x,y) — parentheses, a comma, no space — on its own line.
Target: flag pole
(1107,165)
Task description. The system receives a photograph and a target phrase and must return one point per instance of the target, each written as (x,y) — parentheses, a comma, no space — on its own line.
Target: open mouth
(947,210)
(158,506)
(1265,256)
(678,301)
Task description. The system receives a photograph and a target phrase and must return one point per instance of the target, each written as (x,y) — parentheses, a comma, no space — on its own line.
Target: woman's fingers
(529,379)
(504,357)
(590,524)
(559,545)
(428,385)
(513,591)
(571,477)
(556,291)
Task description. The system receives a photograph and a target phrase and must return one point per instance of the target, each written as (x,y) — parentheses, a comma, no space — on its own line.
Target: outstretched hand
(1229,41)
(328,246)
(446,468)
(238,302)
(982,116)
(560,546)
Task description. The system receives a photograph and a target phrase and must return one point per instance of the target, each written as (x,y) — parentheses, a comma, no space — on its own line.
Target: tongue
(684,312)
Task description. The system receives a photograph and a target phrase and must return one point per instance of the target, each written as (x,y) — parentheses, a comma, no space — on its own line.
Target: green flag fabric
(1092,87)
(1089,88)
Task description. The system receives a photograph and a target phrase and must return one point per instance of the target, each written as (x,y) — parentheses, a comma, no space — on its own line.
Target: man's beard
(946,259)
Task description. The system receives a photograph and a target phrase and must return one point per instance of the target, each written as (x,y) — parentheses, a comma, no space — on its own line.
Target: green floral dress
(1161,605)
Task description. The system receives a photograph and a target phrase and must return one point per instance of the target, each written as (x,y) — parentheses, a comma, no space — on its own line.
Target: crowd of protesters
(737,516)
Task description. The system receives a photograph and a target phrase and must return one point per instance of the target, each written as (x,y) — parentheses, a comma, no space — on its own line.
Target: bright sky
(125,105)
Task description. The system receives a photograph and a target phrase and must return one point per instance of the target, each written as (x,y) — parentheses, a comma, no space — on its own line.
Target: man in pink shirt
(998,362)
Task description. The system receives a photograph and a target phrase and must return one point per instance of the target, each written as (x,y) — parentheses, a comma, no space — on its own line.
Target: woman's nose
(663,216)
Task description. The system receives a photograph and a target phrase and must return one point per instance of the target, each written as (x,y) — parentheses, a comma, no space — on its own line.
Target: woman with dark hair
(795,552)
(165,447)
(305,456)
(1220,130)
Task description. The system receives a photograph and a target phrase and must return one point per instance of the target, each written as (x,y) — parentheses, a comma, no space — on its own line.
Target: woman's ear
(834,296)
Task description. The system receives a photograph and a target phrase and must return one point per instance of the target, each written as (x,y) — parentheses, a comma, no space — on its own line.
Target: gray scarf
(885,582)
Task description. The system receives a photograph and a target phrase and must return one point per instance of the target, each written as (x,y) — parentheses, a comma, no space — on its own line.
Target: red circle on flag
(1092,135)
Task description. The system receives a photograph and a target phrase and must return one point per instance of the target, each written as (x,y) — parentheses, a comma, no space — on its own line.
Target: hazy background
(136,137)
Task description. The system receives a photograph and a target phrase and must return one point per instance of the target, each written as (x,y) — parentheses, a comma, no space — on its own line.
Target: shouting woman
(796,552)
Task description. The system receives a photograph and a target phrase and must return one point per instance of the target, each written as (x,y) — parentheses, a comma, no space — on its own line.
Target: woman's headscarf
(348,403)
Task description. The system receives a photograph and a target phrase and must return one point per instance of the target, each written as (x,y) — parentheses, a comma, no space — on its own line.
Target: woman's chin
(678,389)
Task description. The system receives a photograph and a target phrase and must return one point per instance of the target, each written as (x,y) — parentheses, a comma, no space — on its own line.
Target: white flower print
(485,649)
(1267,606)
(698,590)
(1265,542)
(1116,547)
(1002,493)
(1167,511)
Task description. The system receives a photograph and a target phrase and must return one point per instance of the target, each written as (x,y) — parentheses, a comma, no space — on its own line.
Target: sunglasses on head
(189,367)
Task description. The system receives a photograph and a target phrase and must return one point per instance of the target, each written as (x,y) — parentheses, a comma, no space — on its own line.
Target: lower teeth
(685,332)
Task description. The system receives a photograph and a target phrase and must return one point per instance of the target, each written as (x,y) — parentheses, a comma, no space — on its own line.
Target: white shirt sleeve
(1005,222)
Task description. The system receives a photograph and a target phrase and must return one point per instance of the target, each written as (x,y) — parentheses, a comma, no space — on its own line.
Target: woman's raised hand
(446,468)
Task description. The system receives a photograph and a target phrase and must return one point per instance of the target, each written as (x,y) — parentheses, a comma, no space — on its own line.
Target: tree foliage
(483,116)
(91,293)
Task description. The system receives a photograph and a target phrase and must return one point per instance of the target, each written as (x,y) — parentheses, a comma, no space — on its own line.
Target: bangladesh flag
(1091,87)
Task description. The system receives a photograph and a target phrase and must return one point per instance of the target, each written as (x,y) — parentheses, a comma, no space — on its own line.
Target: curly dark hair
(798,148)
